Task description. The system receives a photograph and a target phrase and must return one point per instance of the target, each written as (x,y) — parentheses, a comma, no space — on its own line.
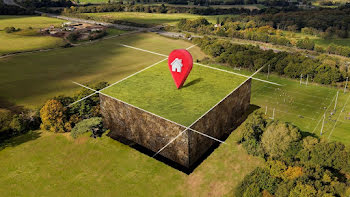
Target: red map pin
(180,63)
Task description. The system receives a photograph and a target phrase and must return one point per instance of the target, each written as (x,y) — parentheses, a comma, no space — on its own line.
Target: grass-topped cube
(139,108)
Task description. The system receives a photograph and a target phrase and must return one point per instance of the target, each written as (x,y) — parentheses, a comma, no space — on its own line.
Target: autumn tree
(52,116)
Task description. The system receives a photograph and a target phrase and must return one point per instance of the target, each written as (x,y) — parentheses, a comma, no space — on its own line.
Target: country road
(78,20)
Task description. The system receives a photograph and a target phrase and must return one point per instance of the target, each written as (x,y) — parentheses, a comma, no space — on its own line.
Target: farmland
(149,18)
(103,166)
(51,72)
(302,105)
(28,38)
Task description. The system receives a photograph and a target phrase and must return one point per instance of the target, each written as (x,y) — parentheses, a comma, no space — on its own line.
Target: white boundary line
(313,131)
(237,74)
(129,75)
(124,45)
(149,112)
(206,113)
(339,117)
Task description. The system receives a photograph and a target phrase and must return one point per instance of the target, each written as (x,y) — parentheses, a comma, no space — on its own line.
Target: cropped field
(26,39)
(150,18)
(154,90)
(46,164)
(31,79)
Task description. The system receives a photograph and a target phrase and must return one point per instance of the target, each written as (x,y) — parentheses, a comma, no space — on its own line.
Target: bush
(72,37)
(91,124)
(10,29)
(53,116)
(5,119)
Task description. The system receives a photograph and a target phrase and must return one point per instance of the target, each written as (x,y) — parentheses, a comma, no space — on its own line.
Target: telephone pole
(346,84)
(324,117)
(336,100)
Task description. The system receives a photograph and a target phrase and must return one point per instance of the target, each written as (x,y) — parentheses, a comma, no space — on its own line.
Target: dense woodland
(322,70)
(297,163)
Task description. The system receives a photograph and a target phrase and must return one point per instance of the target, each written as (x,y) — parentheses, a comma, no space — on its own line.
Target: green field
(31,79)
(46,164)
(154,90)
(304,105)
(150,18)
(27,40)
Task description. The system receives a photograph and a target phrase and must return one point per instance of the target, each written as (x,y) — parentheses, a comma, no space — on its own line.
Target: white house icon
(176,65)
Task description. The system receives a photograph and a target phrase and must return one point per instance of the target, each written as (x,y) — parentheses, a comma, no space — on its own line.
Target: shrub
(5,119)
(11,29)
(52,116)
(72,37)
(91,124)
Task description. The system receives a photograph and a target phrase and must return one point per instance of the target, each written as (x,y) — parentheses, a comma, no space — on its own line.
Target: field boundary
(144,50)
(187,128)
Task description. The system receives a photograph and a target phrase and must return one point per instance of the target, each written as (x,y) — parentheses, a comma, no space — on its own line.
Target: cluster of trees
(266,29)
(57,117)
(330,22)
(237,29)
(323,70)
(14,123)
(297,164)
(11,29)
(121,7)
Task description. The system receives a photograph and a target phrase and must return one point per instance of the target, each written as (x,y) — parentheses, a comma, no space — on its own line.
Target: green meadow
(47,164)
(150,18)
(154,90)
(31,79)
(28,38)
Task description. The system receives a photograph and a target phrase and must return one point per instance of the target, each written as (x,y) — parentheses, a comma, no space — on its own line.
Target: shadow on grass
(18,140)
(175,165)
(5,104)
(193,82)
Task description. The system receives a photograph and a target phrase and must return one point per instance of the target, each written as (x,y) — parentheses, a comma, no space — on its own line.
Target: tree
(278,138)
(303,190)
(5,119)
(52,116)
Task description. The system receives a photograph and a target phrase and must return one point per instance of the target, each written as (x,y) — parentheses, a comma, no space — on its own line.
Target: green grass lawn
(154,90)
(151,18)
(46,164)
(27,40)
(31,79)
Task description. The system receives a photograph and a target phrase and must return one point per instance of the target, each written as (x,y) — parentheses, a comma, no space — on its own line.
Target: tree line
(323,70)
(297,163)
(263,31)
